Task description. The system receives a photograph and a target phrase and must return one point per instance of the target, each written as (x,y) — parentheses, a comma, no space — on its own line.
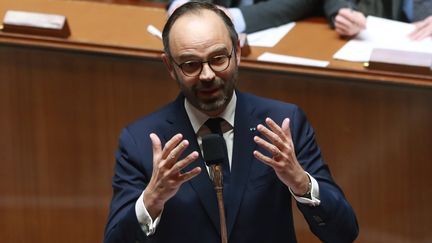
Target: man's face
(200,38)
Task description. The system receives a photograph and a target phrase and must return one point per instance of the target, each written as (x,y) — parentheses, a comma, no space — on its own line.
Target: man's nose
(207,73)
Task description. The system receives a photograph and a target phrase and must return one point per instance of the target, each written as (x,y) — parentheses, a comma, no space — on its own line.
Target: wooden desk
(63,103)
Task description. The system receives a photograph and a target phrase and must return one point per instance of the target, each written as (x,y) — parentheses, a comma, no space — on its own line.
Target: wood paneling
(61,113)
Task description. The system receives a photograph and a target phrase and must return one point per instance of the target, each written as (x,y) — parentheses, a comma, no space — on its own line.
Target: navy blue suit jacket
(259,209)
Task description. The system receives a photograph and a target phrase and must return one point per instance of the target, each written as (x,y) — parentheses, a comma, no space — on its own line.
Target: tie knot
(214,124)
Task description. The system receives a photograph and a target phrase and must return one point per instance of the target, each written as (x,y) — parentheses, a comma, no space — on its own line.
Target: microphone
(214,151)
(214,155)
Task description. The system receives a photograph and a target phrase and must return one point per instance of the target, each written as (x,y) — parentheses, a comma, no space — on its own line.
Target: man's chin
(211,104)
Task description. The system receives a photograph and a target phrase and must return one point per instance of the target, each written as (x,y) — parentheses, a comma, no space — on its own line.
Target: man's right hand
(167,176)
(349,22)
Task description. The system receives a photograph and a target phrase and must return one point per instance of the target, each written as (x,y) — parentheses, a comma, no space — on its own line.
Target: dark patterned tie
(421,9)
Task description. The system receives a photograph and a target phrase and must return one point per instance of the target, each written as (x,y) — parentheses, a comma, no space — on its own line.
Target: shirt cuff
(314,200)
(237,19)
(147,224)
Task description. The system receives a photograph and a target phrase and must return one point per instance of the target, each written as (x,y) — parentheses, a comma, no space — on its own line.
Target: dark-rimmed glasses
(217,63)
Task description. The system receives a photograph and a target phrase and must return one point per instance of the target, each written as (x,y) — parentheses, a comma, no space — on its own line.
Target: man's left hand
(283,160)
(423,29)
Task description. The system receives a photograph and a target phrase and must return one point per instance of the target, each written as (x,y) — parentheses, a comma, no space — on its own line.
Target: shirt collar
(198,118)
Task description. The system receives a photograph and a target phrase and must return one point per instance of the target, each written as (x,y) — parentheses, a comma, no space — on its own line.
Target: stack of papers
(272,57)
(385,34)
(269,37)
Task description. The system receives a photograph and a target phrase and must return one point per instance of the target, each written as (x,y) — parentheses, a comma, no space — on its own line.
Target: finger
(268,134)
(360,20)
(185,162)
(190,174)
(343,21)
(341,32)
(271,148)
(344,26)
(286,128)
(281,139)
(265,159)
(275,128)
(341,29)
(349,23)
(345,12)
(171,144)
(421,31)
(156,147)
(176,152)
(180,165)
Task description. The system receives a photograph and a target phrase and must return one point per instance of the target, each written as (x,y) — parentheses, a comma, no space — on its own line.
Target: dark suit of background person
(258,206)
(271,13)
(389,9)
(264,14)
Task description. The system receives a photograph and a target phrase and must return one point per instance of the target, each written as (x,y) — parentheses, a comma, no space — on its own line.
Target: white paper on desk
(382,33)
(269,37)
(271,57)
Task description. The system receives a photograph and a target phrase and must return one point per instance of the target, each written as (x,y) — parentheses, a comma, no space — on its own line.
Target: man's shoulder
(260,102)
(155,119)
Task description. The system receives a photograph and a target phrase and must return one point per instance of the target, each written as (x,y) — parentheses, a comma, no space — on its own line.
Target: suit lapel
(202,185)
(244,131)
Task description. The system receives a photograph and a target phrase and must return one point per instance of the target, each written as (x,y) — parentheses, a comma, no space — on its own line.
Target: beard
(210,103)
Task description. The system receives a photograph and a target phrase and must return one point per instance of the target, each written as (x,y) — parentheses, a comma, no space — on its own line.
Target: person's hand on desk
(423,29)
(349,22)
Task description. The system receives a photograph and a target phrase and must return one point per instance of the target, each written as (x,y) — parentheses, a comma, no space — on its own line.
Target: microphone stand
(217,177)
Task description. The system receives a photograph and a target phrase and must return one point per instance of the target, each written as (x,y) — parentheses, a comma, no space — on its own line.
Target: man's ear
(238,52)
(168,64)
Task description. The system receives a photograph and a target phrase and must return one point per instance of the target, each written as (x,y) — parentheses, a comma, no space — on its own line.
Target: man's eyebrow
(187,55)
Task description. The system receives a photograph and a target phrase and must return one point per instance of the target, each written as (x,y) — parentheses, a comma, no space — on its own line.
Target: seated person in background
(253,15)
(349,22)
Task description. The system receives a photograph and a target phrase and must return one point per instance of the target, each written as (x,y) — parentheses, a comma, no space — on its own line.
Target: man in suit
(162,190)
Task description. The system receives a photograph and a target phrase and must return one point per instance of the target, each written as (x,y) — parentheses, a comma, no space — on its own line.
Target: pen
(154,31)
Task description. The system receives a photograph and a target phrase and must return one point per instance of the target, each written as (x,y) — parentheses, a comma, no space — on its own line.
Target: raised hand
(284,161)
(167,176)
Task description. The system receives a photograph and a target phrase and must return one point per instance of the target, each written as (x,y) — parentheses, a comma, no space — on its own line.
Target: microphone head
(213,149)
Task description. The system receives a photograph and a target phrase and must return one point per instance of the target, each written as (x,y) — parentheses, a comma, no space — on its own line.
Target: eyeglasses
(217,63)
